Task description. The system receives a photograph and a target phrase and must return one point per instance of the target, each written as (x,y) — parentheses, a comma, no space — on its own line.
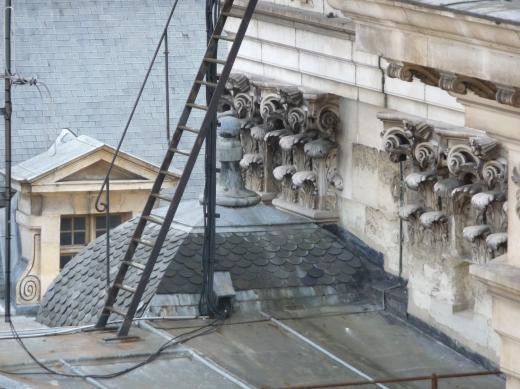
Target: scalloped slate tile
(283,256)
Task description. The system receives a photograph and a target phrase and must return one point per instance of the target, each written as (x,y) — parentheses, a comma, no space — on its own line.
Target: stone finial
(230,187)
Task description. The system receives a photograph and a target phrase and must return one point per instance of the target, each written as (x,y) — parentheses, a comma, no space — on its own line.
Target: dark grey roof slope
(276,258)
(77,295)
(260,246)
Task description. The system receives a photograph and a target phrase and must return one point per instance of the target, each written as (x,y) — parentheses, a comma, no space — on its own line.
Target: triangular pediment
(98,170)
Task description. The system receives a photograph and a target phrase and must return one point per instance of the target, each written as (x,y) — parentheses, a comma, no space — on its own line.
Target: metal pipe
(435,381)
(401,223)
(7,120)
(395,380)
(167,85)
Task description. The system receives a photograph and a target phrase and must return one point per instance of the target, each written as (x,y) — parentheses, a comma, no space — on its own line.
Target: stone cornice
(420,17)
(286,14)
(501,278)
(436,39)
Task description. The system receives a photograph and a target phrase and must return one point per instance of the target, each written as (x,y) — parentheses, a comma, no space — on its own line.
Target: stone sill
(500,277)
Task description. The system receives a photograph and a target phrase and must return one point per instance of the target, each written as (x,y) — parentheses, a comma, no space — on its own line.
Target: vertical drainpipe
(7,121)
(401,169)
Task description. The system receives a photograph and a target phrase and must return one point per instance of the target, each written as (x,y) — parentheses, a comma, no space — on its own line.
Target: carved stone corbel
(407,72)
(508,95)
(452,83)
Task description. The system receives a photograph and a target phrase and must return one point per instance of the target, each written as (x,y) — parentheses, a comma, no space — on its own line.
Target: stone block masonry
(93,56)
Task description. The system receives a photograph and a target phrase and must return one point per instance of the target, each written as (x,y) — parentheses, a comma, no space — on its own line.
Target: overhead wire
(182,338)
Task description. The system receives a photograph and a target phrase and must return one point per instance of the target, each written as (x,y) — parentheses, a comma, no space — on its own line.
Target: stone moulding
(288,129)
(455,177)
(28,288)
(455,83)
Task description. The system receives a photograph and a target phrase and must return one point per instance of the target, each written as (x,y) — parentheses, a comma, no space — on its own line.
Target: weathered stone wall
(92,55)
(322,55)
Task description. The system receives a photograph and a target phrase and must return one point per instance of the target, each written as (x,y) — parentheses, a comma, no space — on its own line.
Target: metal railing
(103,204)
(433,378)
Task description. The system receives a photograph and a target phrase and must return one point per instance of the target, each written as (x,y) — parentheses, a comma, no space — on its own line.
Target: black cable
(207,303)
(208,328)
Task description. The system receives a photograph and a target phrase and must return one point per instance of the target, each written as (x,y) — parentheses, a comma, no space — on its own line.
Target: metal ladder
(119,285)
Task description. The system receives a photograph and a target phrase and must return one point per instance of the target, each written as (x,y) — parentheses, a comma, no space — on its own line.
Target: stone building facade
(428,111)
(398,120)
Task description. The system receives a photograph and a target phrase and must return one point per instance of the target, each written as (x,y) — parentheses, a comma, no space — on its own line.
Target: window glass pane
(79,223)
(115,220)
(99,233)
(64,259)
(79,237)
(65,238)
(100,222)
(66,223)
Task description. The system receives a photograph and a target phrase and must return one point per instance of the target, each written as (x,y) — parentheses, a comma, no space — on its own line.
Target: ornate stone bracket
(456,177)
(455,83)
(284,132)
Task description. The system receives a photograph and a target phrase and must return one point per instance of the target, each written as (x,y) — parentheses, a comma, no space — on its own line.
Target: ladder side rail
(112,295)
(125,326)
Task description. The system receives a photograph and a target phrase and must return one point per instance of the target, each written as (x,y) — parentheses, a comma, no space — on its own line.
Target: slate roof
(77,295)
(276,258)
(66,148)
(258,249)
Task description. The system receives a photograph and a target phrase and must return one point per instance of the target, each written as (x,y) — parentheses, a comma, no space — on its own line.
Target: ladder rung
(144,242)
(197,106)
(186,128)
(126,287)
(187,153)
(228,14)
(162,197)
(223,38)
(134,264)
(116,311)
(154,219)
(207,83)
(214,60)
(173,176)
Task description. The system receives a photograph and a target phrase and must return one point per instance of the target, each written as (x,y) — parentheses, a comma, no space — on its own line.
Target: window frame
(90,232)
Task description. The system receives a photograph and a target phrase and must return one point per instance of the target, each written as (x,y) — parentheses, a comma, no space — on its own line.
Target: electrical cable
(207,303)
(43,332)
(206,329)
